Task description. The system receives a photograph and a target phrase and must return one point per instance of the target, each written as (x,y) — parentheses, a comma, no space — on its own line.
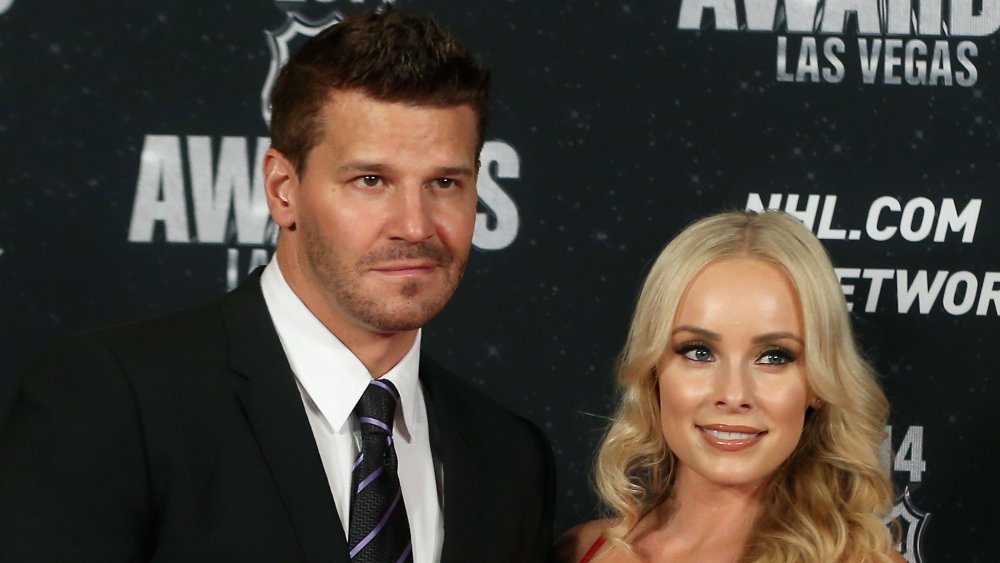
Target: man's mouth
(405,268)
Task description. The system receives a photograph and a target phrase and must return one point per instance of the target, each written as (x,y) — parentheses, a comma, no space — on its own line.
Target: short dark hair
(388,55)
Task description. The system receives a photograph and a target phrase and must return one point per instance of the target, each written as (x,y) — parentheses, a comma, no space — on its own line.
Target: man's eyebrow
(456,171)
(378,167)
(702,332)
(362,166)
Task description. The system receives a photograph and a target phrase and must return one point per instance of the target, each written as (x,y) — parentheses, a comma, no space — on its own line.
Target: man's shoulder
(443,382)
(172,330)
(181,354)
(99,357)
(475,405)
(179,331)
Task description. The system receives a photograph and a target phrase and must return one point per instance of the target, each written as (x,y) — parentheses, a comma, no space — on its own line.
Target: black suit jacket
(185,439)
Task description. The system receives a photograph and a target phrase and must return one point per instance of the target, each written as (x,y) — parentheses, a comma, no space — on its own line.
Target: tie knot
(377,407)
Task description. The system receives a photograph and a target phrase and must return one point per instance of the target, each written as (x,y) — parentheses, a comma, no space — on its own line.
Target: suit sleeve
(546,495)
(73,474)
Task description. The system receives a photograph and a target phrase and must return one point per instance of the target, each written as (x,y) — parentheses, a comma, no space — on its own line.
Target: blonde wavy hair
(826,501)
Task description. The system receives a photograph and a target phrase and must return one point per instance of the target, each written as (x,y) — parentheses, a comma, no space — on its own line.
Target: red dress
(594,548)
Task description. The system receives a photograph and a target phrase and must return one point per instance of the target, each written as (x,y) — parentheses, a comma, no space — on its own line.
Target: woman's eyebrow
(702,332)
(771,336)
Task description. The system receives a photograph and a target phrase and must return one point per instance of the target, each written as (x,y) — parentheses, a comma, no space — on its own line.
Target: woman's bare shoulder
(573,544)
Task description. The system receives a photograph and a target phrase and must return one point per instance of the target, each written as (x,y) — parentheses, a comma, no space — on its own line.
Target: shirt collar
(329,373)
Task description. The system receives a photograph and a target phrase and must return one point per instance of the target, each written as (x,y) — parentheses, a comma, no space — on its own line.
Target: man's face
(384,211)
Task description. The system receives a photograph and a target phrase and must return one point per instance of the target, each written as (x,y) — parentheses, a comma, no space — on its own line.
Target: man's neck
(378,351)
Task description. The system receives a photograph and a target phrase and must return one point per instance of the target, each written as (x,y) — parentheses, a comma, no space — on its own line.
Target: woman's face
(733,389)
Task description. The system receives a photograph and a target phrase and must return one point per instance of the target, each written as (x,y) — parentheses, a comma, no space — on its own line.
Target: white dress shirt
(331,380)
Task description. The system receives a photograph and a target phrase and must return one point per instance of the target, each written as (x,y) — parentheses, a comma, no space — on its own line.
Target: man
(244,430)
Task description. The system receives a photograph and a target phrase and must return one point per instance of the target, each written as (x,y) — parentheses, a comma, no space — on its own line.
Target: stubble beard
(412,307)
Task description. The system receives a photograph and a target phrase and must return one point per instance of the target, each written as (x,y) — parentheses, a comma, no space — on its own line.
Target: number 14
(909,456)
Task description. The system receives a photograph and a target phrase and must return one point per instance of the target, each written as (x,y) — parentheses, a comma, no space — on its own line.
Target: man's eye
(371,181)
(445,183)
(775,357)
(696,352)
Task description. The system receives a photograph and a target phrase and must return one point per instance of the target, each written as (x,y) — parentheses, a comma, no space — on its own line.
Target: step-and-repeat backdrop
(130,135)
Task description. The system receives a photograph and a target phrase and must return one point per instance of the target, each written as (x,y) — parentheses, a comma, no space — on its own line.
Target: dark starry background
(626,128)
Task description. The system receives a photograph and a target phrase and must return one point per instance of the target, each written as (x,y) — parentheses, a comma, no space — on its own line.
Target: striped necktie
(379,531)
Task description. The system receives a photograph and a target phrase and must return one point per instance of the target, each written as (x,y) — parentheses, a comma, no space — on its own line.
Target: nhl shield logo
(279,41)
(912,523)
(304,19)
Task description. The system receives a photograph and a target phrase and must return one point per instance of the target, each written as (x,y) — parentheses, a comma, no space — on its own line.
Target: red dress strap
(594,548)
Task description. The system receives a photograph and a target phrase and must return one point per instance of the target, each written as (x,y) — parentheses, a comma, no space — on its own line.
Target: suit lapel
(274,410)
(453,441)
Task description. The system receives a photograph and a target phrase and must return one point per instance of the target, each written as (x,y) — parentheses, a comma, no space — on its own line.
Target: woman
(748,427)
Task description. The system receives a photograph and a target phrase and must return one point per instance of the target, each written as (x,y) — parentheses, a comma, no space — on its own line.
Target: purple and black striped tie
(379,531)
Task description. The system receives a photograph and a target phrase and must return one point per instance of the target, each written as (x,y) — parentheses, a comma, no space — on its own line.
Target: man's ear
(281,183)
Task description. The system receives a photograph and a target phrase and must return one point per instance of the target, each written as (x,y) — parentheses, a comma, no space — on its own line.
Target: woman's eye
(371,181)
(696,353)
(775,357)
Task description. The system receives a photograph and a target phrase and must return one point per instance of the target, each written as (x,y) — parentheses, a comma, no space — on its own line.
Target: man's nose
(411,215)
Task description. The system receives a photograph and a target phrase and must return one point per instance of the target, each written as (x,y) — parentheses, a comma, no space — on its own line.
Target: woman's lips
(731,438)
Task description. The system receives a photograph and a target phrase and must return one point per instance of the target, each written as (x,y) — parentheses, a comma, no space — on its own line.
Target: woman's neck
(701,521)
